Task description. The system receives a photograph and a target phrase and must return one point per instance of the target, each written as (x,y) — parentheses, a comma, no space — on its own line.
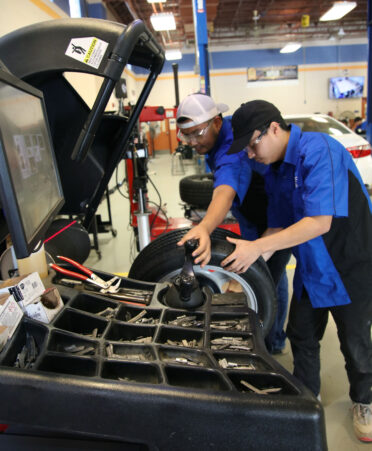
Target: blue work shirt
(316,178)
(233,170)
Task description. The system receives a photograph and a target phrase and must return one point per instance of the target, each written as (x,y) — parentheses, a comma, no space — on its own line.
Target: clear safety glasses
(197,135)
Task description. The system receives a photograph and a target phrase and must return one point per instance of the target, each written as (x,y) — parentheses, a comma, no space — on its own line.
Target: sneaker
(362,420)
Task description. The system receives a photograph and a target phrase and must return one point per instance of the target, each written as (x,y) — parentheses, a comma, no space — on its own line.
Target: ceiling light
(341,32)
(163,21)
(173,54)
(156,1)
(291,47)
(338,10)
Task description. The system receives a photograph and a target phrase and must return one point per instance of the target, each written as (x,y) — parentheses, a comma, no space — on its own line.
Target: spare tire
(73,242)
(197,190)
(162,259)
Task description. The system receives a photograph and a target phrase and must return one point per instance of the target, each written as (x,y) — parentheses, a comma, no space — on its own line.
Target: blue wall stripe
(272,57)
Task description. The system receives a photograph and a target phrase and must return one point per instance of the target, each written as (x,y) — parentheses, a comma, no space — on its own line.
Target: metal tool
(185,291)
(109,286)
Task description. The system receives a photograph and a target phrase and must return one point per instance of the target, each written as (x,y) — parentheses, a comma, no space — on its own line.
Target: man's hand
(247,252)
(203,252)
(222,199)
(244,255)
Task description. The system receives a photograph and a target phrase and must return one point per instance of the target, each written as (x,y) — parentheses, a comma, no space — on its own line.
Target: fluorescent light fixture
(163,21)
(173,54)
(156,1)
(338,10)
(291,47)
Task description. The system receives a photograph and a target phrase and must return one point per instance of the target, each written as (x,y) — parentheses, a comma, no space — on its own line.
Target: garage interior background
(317,61)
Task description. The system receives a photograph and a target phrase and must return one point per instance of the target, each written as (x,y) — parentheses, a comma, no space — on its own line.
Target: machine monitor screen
(346,87)
(30,189)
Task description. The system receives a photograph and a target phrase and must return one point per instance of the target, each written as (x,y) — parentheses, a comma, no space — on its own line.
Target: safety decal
(87,50)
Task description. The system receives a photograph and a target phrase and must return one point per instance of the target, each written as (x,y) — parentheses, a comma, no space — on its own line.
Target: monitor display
(30,188)
(346,87)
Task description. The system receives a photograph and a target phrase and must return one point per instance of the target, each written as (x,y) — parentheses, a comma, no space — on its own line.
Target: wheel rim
(216,277)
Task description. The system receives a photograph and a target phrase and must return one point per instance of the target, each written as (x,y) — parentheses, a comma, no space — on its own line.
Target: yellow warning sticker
(90,51)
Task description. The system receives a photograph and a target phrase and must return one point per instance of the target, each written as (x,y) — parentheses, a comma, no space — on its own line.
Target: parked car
(358,146)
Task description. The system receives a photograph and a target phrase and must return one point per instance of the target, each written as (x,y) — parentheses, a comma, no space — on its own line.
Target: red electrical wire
(59,231)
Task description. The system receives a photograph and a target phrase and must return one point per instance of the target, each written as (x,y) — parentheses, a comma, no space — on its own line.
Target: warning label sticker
(87,50)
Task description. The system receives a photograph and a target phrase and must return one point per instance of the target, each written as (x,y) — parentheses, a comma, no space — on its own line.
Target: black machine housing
(88,142)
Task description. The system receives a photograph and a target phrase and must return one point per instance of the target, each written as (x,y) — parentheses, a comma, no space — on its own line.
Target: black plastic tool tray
(140,393)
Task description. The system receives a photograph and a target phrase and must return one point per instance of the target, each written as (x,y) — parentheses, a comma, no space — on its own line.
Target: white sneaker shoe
(362,420)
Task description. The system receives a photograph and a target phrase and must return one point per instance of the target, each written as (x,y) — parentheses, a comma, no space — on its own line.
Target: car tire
(162,259)
(197,190)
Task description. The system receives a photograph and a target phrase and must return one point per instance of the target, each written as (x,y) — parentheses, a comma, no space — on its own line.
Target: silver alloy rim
(219,277)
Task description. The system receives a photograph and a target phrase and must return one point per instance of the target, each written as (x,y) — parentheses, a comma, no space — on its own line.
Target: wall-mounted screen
(30,189)
(346,87)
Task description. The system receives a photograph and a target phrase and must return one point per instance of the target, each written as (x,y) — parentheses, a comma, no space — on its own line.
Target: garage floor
(116,257)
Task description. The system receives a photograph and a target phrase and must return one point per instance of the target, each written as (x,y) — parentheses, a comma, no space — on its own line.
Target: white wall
(20,13)
(307,95)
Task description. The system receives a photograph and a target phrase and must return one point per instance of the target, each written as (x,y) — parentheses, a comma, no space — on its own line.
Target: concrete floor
(117,255)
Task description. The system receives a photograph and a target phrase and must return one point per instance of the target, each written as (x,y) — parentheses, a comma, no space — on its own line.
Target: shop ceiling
(248,22)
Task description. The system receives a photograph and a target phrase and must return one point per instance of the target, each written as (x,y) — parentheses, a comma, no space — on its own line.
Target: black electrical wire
(159,208)
(119,185)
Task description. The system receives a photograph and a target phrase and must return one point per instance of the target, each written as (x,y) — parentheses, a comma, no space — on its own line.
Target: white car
(359,147)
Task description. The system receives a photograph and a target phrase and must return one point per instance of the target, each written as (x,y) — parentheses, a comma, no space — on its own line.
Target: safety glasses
(197,135)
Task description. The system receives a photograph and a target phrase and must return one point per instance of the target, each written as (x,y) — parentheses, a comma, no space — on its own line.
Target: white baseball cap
(198,108)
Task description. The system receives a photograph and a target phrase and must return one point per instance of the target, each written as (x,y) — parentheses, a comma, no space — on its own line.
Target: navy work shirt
(319,177)
(236,171)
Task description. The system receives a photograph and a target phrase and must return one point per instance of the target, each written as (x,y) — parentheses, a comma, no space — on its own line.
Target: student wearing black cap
(238,185)
(319,207)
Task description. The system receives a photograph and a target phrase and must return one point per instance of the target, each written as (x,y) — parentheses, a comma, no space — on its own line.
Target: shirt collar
(291,154)
(224,133)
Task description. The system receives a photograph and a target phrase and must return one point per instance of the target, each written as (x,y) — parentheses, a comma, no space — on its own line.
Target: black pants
(306,328)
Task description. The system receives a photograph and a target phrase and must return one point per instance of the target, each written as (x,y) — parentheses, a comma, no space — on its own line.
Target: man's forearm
(220,205)
(304,230)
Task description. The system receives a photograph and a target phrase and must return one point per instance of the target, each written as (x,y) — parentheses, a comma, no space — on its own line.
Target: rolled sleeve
(325,180)
(236,173)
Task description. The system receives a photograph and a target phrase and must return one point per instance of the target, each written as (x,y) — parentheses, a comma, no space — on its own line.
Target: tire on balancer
(162,256)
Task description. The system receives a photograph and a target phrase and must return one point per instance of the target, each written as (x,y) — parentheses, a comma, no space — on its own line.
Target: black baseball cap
(249,117)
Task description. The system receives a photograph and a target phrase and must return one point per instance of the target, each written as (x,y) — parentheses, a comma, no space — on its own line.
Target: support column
(201,36)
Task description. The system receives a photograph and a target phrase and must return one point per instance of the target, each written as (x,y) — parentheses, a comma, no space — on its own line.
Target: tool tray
(160,380)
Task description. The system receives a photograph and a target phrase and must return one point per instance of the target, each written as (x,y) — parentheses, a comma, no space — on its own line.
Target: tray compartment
(180,318)
(195,378)
(131,372)
(146,316)
(80,323)
(78,366)
(130,332)
(262,381)
(129,352)
(254,362)
(175,336)
(231,322)
(185,356)
(19,339)
(92,304)
(231,341)
(69,344)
